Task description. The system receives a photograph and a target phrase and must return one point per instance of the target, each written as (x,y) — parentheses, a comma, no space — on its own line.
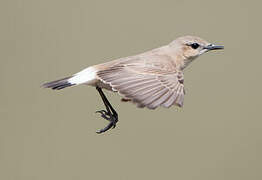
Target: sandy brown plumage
(151,79)
(145,82)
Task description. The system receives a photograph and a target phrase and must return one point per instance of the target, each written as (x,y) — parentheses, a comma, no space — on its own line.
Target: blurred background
(51,135)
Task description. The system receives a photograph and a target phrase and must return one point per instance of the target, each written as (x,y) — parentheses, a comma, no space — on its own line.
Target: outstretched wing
(147,84)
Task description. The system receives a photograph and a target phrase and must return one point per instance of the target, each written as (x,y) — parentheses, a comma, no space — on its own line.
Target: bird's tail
(86,76)
(59,84)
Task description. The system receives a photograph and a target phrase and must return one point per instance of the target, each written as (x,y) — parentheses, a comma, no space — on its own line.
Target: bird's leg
(109,114)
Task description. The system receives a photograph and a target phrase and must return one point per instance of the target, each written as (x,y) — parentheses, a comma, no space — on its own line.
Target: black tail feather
(59,84)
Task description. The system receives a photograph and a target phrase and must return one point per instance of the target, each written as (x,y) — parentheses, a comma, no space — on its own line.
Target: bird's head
(190,47)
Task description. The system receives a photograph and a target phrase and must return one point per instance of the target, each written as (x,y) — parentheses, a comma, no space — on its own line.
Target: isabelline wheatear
(151,79)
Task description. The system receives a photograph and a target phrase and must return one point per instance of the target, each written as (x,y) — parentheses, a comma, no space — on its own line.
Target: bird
(151,79)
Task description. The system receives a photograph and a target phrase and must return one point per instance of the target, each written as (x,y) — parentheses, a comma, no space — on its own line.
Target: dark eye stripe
(194,45)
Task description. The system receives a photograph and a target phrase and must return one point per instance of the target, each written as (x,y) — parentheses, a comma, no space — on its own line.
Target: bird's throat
(186,62)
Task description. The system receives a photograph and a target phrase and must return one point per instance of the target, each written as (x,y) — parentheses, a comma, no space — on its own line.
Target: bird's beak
(213,47)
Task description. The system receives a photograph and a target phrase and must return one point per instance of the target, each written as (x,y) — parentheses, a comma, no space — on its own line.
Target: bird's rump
(146,85)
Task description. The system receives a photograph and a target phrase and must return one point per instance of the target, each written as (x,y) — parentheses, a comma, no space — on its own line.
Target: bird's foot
(112,118)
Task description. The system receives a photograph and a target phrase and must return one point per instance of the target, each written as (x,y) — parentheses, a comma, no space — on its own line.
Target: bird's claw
(104,114)
(106,128)
(112,118)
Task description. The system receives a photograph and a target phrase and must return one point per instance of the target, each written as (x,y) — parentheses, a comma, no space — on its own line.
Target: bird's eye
(194,45)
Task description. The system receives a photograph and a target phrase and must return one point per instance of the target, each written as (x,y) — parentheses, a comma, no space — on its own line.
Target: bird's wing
(147,83)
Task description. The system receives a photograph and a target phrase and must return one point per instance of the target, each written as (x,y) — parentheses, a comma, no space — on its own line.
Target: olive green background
(51,135)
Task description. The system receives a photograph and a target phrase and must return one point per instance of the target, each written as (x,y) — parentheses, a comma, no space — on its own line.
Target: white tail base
(85,76)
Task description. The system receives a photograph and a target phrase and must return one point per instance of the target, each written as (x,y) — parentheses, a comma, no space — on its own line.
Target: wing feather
(146,85)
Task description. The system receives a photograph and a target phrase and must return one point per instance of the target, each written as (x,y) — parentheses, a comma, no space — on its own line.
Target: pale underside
(149,80)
